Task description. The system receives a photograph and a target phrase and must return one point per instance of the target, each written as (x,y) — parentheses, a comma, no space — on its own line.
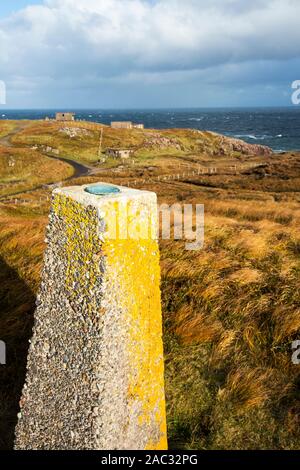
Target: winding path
(5,140)
(79,168)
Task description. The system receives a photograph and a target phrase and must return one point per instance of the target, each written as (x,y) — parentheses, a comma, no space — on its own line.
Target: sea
(278,128)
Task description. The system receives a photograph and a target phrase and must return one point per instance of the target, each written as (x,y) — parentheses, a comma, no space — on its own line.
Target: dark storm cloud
(82,44)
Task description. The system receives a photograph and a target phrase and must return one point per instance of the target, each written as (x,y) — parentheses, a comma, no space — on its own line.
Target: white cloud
(92,40)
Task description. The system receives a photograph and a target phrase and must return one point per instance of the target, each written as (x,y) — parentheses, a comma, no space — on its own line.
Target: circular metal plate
(102,189)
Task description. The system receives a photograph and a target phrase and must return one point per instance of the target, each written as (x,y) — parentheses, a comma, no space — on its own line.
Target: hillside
(230,310)
(22,169)
(80,141)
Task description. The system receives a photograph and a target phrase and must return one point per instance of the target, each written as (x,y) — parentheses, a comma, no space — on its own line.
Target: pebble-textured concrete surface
(95,364)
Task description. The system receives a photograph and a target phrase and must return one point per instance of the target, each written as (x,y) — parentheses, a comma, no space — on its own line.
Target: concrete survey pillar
(95,364)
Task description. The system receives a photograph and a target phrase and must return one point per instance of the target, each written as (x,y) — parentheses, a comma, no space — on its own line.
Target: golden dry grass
(23,169)
(6,127)
(234,308)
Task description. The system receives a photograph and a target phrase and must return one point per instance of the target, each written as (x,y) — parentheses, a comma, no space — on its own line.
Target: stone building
(65,116)
(126,125)
(118,153)
(121,124)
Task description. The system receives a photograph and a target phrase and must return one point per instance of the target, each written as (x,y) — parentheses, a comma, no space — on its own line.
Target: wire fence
(200,170)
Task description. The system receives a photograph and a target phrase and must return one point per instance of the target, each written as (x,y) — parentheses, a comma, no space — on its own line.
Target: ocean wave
(248,136)
(195,119)
(258,137)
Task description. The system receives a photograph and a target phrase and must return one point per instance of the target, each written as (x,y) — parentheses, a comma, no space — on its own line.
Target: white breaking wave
(254,137)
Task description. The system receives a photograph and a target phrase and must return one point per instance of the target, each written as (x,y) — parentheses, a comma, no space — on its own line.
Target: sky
(148,53)
(11,6)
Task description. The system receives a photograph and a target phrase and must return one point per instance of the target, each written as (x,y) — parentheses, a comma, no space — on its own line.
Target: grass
(20,263)
(6,127)
(230,311)
(81,147)
(23,169)
(80,141)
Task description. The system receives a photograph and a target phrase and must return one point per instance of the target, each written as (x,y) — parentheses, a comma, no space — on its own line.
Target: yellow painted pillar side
(139,283)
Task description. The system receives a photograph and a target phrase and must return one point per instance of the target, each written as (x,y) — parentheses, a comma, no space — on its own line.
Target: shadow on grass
(16,321)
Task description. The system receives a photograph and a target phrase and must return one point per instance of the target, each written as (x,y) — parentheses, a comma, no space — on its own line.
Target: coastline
(277,128)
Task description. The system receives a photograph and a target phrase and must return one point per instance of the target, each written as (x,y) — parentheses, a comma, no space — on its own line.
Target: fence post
(95,365)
